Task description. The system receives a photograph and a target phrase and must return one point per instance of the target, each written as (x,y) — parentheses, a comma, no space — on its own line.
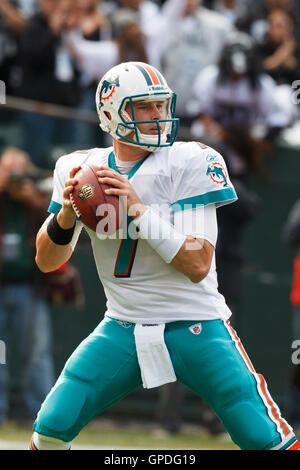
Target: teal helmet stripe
(145,73)
(151,75)
(160,77)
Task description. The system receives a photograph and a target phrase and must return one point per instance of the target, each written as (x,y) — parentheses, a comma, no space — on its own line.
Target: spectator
(95,57)
(291,236)
(94,25)
(93,22)
(47,64)
(159,27)
(156,23)
(147,10)
(249,13)
(279,50)
(238,106)
(129,41)
(229,8)
(253,17)
(24,315)
(195,43)
(129,35)
(12,23)
(12,16)
(28,7)
(52,72)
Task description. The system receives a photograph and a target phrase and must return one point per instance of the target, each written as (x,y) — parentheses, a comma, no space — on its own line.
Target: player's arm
(188,244)
(53,242)
(194,258)
(189,254)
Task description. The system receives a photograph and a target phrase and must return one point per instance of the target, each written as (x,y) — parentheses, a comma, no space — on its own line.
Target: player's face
(149,111)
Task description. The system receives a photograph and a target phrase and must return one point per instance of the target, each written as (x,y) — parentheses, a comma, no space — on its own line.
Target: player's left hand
(123,188)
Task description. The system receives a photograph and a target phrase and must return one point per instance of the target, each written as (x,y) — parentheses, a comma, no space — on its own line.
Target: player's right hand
(66,216)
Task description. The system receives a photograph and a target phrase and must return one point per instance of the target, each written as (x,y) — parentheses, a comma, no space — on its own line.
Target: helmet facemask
(167,128)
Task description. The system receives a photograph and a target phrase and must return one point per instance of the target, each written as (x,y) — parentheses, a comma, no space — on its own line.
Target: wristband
(58,235)
(160,234)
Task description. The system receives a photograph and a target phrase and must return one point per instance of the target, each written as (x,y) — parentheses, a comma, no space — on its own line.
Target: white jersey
(140,287)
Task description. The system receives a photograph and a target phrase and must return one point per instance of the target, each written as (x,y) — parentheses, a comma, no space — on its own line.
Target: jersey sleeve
(200,178)
(198,223)
(55,205)
(58,188)
(61,173)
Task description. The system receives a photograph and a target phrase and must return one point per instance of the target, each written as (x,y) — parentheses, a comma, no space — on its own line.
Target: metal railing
(57,111)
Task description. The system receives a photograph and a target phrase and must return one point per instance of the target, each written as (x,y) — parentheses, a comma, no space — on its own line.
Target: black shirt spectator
(12,23)
(279,51)
(41,50)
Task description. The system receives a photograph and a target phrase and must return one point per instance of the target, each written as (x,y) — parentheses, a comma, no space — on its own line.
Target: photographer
(24,321)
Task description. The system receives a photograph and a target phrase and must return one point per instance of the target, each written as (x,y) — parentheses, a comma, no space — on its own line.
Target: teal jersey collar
(113,166)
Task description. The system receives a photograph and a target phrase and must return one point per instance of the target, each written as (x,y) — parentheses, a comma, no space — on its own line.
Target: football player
(165,319)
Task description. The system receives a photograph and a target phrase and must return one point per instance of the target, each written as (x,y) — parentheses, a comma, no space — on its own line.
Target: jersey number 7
(126,255)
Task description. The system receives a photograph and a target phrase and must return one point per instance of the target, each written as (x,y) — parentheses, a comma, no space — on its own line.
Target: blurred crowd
(234,64)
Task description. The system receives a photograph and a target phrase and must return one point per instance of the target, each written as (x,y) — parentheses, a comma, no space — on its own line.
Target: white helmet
(127,83)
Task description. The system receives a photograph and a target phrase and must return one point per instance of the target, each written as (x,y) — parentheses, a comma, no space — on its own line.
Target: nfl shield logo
(86,192)
(196,329)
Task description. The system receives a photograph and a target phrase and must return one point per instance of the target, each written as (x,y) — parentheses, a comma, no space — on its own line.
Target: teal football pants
(212,363)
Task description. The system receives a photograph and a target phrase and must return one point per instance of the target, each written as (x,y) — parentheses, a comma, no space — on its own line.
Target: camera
(18,178)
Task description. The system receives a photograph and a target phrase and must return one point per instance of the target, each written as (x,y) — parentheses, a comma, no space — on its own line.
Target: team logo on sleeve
(217,173)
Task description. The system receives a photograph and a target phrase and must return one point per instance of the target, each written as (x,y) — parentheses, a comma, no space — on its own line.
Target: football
(100,212)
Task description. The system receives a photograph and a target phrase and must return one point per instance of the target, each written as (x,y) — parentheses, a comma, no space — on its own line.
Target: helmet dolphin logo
(107,89)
